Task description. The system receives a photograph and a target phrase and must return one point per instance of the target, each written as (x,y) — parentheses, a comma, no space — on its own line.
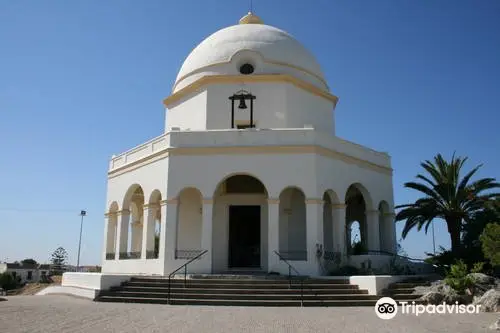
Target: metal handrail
(374,252)
(290,268)
(185,272)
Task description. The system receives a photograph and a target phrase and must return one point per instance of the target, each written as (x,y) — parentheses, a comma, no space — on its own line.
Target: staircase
(239,290)
(403,291)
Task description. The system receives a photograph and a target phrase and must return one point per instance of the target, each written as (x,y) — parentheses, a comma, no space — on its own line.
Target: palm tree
(446,196)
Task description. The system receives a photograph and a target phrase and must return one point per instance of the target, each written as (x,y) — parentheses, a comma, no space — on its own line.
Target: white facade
(25,273)
(287,185)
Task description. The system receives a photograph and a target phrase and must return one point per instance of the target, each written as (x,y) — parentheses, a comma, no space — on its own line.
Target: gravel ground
(57,313)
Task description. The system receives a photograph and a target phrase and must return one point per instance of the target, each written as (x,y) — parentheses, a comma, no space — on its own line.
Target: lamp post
(82,214)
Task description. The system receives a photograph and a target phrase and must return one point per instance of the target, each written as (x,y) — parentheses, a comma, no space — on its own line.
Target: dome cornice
(238,79)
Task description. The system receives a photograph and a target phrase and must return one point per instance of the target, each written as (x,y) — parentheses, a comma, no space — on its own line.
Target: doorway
(244,237)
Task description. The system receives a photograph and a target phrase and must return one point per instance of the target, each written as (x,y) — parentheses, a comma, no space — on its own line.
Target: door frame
(259,266)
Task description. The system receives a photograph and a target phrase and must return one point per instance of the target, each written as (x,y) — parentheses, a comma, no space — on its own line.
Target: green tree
(490,241)
(471,232)
(447,196)
(59,259)
(29,262)
(7,281)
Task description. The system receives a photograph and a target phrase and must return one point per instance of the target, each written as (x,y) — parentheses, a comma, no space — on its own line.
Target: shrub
(458,279)
(345,271)
(490,243)
(358,248)
(478,267)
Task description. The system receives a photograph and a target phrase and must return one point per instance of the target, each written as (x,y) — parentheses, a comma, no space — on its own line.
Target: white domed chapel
(248,174)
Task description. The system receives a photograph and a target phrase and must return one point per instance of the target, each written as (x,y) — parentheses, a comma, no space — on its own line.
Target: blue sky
(82,80)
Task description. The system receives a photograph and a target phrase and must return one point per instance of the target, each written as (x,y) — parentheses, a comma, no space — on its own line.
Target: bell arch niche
(239,102)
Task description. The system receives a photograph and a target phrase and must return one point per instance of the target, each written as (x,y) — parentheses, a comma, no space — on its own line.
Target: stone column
(339,228)
(314,225)
(107,244)
(148,231)
(135,244)
(273,221)
(168,237)
(390,232)
(122,232)
(206,232)
(373,230)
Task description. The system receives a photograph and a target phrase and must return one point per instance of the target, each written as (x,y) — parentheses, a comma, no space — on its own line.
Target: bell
(242,105)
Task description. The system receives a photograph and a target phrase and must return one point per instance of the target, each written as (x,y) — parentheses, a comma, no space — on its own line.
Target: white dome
(277,52)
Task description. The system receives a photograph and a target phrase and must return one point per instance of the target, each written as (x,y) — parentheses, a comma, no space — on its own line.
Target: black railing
(435,268)
(151,255)
(130,255)
(187,254)
(332,256)
(110,256)
(293,255)
(301,278)
(185,272)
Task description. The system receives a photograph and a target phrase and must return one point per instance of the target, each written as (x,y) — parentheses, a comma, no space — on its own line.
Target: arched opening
(136,224)
(355,244)
(189,225)
(154,226)
(240,223)
(356,227)
(292,224)
(131,232)
(385,229)
(112,231)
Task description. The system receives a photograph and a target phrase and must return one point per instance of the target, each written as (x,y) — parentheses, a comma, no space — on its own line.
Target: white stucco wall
(189,220)
(150,177)
(188,113)
(277,105)
(304,108)
(269,105)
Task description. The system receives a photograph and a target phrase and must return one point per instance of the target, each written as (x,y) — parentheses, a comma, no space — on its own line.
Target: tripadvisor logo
(387,308)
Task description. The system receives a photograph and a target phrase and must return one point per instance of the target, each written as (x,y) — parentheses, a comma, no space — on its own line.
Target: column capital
(150,205)
(207,201)
(137,224)
(123,212)
(390,214)
(314,201)
(339,206)
(110,214)
(169,201)
(273,201)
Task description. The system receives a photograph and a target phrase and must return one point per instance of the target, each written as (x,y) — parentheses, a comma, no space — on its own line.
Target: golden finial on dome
(250,18)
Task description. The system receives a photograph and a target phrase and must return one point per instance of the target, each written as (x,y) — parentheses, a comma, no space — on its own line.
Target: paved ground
(69,314)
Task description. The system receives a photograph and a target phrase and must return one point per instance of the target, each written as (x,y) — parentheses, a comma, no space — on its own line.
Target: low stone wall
(85,285)
(373,283)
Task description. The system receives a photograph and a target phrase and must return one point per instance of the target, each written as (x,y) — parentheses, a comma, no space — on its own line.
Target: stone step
(256,296)
(242,281)
(407,285)
(247,285)
(405,296)
(351,290)
(235,302)
(400,290)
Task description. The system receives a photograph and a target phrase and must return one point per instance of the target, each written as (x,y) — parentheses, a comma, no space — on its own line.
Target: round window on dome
(246,69)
